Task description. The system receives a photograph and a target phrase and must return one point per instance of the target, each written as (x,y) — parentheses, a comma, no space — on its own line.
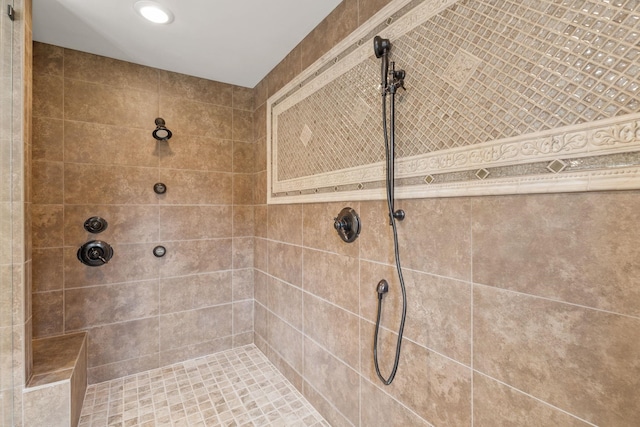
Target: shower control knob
(347,224)
(95,225)
(159,188)
(159,251)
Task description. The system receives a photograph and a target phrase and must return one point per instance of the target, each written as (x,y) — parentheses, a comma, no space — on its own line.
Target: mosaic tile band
(478,74)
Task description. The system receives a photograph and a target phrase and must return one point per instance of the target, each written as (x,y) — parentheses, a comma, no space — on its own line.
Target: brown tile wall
(522,310)
(94,155)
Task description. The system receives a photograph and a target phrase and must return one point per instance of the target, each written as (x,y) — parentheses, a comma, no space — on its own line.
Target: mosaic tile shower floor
(238,387)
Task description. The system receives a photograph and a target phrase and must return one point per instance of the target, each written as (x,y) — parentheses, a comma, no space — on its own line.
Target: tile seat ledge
(55,392)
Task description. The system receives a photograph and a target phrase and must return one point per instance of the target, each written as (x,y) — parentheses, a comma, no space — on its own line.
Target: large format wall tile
(341,387)
(195,187)
(569,247)
(196,118)
(89,102)
(192,152)
(435,387)
(285,301)
(109,144)
(107,71)
(195,326)
(195,291)
(285,262)
(98,305)
(318,231)
(495,404)
(130,263)
(195,222)
(566,355)
(332,277)
(118,342)
(195,89)
(333,328)
(103,184)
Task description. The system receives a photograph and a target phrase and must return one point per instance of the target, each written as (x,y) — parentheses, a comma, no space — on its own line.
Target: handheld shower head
(381,48)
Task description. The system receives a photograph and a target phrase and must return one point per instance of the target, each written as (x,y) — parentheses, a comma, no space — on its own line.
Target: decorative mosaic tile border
(594,153)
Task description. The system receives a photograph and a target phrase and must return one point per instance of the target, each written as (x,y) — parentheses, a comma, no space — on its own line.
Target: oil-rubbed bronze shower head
(161,133)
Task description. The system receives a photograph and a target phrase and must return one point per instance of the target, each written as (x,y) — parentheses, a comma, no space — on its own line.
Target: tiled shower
(523,309)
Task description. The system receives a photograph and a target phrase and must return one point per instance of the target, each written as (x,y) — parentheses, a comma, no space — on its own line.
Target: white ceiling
(231,41)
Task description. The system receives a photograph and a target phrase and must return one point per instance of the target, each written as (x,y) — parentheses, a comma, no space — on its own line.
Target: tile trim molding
(422,175)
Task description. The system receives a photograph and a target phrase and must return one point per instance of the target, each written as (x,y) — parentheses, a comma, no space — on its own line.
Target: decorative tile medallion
(505,86)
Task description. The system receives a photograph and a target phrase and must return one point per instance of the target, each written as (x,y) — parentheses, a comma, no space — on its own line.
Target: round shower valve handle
(347,224)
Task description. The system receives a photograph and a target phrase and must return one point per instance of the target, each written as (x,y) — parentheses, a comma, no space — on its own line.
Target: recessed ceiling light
(153,12)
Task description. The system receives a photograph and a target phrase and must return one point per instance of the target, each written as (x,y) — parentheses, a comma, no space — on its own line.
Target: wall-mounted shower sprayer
(161,133)
(391,79)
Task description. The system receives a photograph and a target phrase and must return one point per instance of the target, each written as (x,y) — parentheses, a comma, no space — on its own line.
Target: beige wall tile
(243,251)
(48,182)
(109,144)
(435,387)
(495,404)
(242,284)
(90,102)
(288,68)
(376,238)
(260,218)
(243,154)
(285,262)
(243,221)
(445,221)
(47,225)
(110,72)
(285,223)
(380,409)
(123,368)
(333,328)
(119,342)
(194,257)
(261,317)
(325,407)
(243,184)
(48,406)
(242,126)
(48,319)
(335,27)
(243,339)
(439,309)
(102,184)
(195,326)
(48,98)
(48,139)
(195,291)
(243,98)
(47,269)
(193,152)
(285,301)
(569,247)
(261,255)
(566,355)
(318,231)
(286,340)
(125,223)
(188,117)
(260,192)
(368,8)
(47,59)
(98,305)
(242,317)
(130,263)
(196,89)
(341,388)
(261,288)
(284,367)
(195,187)
(176,355)
(260,156)
(332,277)
(195,222)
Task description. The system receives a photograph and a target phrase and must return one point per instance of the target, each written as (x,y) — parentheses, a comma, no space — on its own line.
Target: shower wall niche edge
(475,119)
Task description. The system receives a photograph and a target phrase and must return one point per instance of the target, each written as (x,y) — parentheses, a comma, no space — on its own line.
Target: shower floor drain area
(238,387)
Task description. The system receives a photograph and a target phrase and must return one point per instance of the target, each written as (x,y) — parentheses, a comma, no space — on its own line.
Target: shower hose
(389,145)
